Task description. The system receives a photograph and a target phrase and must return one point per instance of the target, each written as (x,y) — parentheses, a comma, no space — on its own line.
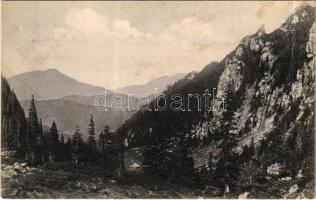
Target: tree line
(35,144)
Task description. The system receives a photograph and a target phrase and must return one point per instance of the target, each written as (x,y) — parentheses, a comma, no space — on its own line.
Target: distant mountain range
(50,84)
(148,89)
(70,102)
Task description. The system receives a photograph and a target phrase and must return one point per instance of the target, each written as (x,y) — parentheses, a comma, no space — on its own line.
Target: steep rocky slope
(273,76)
(267,83)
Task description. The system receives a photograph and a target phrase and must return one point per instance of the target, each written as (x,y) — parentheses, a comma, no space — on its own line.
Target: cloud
(117,50)
(86,21)
(114,45)
(122,28)
(192,28)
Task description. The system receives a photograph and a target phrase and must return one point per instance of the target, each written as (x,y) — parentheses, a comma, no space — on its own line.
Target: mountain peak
(50,84)
(51,70)
(261,31)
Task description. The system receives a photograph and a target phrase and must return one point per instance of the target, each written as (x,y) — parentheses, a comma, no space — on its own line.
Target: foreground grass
(67,180)
(84,182)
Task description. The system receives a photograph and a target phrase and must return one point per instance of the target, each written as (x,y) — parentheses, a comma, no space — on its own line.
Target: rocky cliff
(273,76)
(267,83)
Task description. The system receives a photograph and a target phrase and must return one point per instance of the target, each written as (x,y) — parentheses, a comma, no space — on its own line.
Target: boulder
(23,164)
(310,55)
(243,195)
(11,172)
(286,178)
(299,174)
(8,167)
(293,189)
(92,187)
(150,193)
(23,170)
(16,165)
(135,165)
(274,169)
(78,184)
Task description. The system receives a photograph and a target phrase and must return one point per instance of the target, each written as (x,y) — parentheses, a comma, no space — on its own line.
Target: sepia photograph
(158,99)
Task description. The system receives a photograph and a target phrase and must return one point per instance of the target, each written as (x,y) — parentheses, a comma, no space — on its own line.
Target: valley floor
(20,181)
(55,180)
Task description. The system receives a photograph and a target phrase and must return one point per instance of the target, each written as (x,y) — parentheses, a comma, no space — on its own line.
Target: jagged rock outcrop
(271,78)
(272,74)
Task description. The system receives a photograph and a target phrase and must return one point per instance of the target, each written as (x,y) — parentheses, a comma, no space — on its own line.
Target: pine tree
(103,139)
(248,152)
(33,126)
(76,138)
(62,139)
(64,150)
(227,167)
(101,142)
(76,144)
(272,148)
(91,138)
(68,142)
(184,165)
(13,126)
(40,127)
(54,131)
(36,137)
(252,148)
(210,167)
(155,153)
(106,131)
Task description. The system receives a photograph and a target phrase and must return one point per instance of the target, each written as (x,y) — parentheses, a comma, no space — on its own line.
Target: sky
(116,44)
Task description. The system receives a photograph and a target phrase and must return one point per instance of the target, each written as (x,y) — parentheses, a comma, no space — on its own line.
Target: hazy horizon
(118,44)
(43,70)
